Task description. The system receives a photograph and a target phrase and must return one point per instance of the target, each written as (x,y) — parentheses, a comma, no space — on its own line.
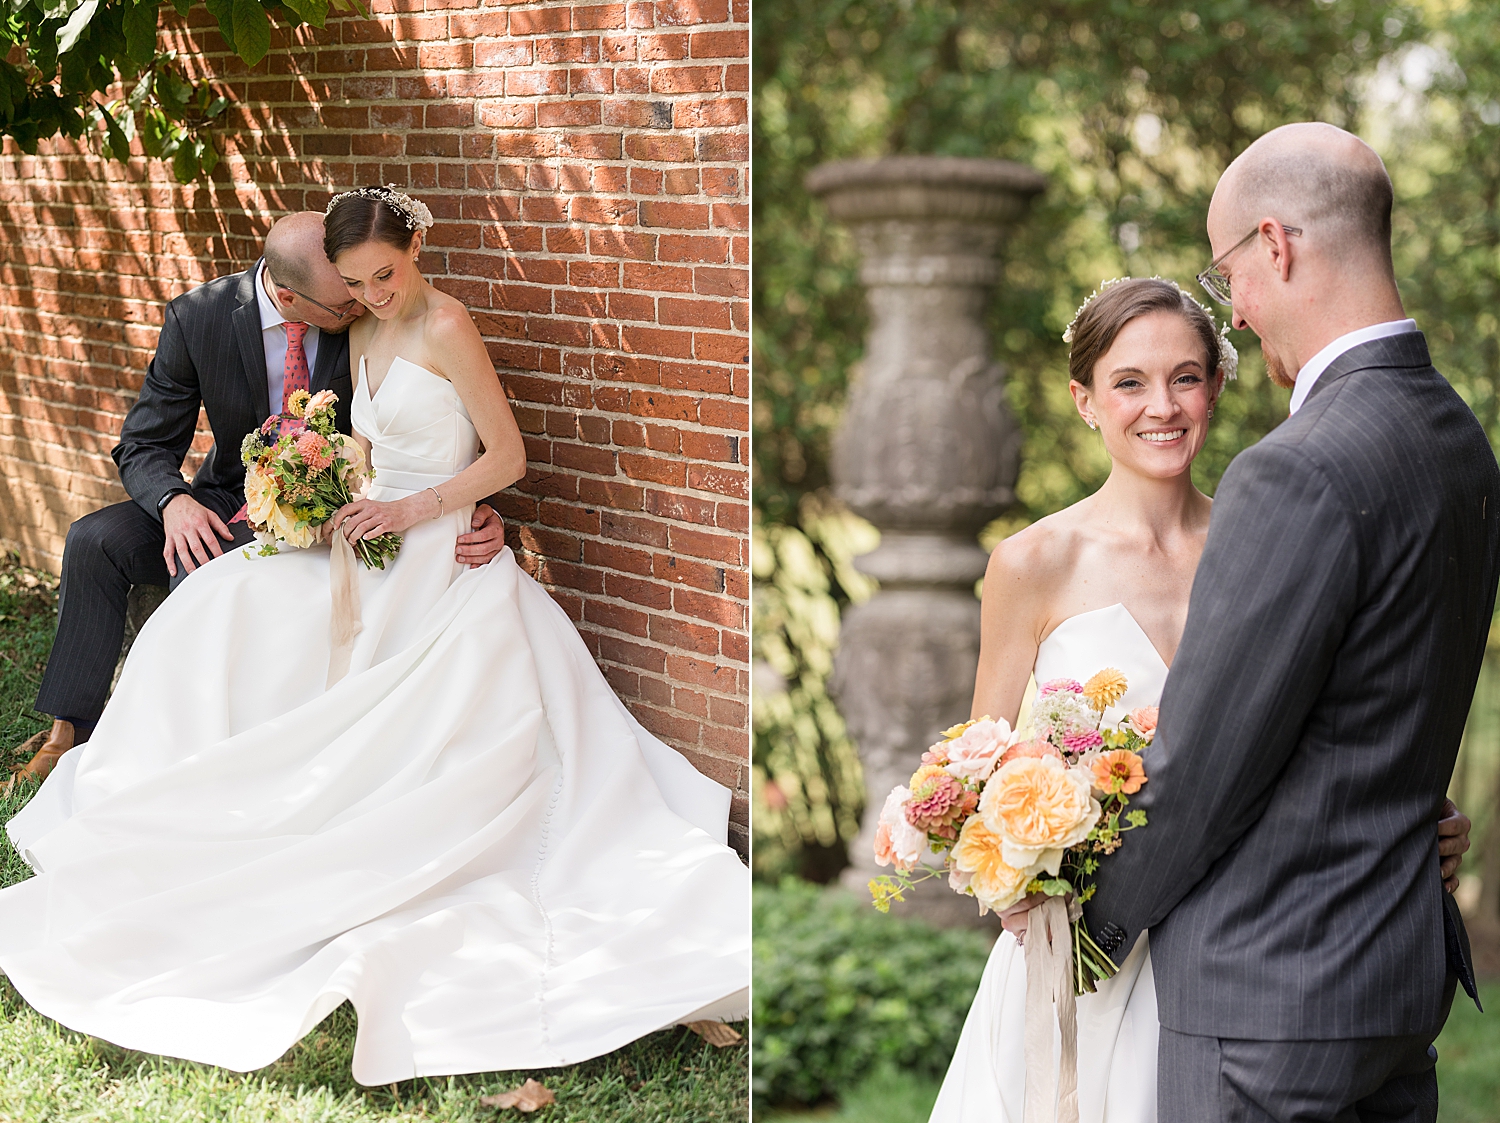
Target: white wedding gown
(468,837)
(1117,1026)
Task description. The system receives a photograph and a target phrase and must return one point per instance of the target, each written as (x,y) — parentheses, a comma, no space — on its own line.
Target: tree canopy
(62,57)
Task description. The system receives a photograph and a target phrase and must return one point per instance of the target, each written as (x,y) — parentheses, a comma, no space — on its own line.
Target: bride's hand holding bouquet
(366,520)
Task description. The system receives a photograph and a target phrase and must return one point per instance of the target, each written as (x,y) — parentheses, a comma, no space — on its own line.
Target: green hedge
(840,990)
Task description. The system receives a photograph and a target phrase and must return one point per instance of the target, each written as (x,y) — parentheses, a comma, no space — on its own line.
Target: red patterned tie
(295,376)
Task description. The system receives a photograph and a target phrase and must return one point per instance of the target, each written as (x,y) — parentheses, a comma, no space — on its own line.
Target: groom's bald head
(294,252)
(1317,177)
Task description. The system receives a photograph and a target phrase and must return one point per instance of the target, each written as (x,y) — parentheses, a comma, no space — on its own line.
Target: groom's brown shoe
(49,746)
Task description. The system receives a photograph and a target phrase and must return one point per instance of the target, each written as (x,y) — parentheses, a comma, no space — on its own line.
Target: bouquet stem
(1091,964)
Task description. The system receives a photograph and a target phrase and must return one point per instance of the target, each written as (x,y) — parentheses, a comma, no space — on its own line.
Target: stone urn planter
(927,451)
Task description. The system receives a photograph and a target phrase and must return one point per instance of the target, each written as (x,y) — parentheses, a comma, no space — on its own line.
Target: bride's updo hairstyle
(372,214)
(1102,318)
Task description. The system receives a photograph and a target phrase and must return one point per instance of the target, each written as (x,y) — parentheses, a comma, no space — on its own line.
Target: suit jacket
(210,352)
(1289,870)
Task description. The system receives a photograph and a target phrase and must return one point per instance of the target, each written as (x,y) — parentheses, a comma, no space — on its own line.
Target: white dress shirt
(1315,366)
(273,336)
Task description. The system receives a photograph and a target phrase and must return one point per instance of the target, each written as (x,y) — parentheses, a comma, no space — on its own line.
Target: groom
(238,346)
(1304,951)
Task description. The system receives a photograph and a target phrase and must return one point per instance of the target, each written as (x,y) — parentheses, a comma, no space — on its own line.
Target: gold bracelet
(440,503)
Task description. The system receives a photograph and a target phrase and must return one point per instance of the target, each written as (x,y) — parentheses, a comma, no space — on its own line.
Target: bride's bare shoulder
(447,314)
(1034,562)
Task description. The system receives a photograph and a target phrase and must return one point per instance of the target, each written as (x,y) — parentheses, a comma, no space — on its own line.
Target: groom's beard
(1275,370)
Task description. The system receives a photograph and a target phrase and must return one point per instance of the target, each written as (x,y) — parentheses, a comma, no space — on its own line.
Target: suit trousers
(1355,1080)
(106,553)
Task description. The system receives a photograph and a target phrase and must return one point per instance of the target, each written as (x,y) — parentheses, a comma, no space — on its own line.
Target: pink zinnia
(1058,685)
(316,453)
(939,804)
(1082,741)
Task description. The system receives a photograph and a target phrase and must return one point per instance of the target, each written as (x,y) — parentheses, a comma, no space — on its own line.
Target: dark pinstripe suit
(1289,874)
(210,353)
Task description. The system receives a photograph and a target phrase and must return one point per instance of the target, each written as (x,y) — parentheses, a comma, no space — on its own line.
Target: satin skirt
(1117,1042)
(468,837)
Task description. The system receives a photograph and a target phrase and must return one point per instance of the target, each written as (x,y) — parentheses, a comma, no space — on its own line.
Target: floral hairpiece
(416,214)
(1229,357)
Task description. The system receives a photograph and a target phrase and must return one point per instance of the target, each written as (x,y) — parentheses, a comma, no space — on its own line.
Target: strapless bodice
(420,433)
(1105,637)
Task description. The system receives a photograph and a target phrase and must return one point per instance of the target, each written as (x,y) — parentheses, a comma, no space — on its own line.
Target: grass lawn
(48,1073)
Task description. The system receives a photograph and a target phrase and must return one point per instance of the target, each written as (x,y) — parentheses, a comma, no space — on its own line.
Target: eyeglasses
(1215,283)
(337,313)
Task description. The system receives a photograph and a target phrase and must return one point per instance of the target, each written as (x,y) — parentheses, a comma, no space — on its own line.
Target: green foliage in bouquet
(840,992)
(58,58)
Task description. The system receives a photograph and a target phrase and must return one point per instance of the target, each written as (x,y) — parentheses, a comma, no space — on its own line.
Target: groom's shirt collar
(1315,366)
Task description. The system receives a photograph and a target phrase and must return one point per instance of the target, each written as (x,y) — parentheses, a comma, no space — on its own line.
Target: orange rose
(1118,770)
(1039,807)
(1037,748)
(979,854)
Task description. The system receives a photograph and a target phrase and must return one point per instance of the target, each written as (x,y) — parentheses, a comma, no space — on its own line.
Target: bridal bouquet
(299,470)
(1012,814)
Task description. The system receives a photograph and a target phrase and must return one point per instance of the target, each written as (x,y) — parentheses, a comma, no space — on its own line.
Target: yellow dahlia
(297,402)
(1105,689)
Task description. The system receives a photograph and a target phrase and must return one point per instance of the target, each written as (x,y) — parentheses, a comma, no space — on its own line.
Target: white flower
(1229,358)
(976,752)
(906,841)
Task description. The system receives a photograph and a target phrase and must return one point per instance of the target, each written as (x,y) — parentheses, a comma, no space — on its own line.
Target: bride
(466,835)
(1103,582)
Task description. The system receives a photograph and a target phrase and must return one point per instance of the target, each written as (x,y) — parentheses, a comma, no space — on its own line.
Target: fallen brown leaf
(528,1097)
(720,1034)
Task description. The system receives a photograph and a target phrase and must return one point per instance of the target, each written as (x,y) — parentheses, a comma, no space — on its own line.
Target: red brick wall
(587,166)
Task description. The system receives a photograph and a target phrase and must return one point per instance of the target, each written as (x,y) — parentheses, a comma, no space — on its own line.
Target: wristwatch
(161,504)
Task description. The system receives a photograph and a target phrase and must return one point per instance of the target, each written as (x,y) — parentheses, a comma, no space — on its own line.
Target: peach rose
(260,496)
(979,855)
(322,400)
(975,752)
(1039,807)
(1118,770)
(1143,721)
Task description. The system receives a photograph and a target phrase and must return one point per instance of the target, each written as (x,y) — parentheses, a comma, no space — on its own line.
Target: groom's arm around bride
(1289,873)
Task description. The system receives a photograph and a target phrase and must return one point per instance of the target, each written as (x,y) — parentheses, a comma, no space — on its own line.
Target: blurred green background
(1131,110)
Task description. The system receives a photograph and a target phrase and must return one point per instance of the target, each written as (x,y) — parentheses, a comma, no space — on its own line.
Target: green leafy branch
(59,57)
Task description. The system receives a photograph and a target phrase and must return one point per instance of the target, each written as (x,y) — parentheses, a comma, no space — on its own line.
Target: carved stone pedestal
(927,451)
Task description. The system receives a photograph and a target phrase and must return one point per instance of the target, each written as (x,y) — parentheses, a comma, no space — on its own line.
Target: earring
(1092,424)
(1210,413)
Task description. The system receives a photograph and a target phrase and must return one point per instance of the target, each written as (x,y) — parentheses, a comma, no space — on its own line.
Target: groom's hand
(1453,841)
(193,532)
(487,538)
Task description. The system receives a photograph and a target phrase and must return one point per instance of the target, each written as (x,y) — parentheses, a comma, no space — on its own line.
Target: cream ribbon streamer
(343,577)
(1049,980)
